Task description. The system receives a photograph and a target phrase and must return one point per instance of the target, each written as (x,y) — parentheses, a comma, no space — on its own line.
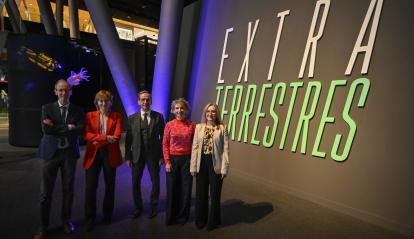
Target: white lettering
(250,38)
(223,56)
(313,40)
(281,15)
(368,48)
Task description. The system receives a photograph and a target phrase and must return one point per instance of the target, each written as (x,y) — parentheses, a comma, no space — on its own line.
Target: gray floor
(250,210)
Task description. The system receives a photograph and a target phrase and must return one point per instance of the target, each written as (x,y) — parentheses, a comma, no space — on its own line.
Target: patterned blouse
(178,138)
(208,141)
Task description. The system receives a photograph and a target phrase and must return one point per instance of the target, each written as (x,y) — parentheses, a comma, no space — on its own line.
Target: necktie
(63,114)
(145,119)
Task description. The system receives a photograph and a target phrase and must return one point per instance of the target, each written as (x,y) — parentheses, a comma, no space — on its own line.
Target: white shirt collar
(148,113)
(60,105)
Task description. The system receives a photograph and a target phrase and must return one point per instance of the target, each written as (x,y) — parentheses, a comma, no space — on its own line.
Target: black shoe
(200,225)
(106,220)
(68,228)
(169,222)
(212,227)
(89,225)
(182,221)
(153,213)
(137,213)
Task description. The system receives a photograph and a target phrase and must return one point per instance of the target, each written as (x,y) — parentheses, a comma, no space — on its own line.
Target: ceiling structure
(132,18)
(148,10)
(143,12)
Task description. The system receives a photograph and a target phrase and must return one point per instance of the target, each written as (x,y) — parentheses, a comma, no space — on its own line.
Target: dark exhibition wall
(317,96)
(37,61)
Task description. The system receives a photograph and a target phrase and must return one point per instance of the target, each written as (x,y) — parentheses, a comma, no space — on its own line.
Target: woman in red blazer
(103,130)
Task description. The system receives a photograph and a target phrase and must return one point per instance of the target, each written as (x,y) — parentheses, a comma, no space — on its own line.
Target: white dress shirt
(148,116)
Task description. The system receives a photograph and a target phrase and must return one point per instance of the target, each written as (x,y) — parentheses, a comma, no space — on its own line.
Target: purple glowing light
(112,49)
(170,22)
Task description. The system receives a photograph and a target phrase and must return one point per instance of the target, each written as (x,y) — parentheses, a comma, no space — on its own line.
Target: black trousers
(154,171)
(92,178)
(206,178)
(67,165)
(179,185)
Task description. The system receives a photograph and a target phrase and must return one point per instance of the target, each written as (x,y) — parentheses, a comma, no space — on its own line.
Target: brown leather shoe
(40,235)
(68,228)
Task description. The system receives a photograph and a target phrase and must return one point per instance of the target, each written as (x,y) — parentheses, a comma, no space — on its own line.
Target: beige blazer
(220,149)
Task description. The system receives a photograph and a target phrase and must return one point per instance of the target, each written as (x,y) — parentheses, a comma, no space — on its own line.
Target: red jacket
(113,127)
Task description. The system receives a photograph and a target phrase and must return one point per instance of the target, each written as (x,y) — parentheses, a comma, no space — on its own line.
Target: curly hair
(181,101)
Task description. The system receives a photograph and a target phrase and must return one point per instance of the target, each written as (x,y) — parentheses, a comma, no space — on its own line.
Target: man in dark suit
(143,145)
(62,123)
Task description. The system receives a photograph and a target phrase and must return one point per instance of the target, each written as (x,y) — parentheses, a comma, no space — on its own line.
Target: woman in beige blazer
(209,164)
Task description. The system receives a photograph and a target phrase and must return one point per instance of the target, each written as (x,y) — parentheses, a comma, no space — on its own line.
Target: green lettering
(248,108)
(259,113)
(326,118)
(345,114)
(235,108)
(305,118)
(269,143)
(218,89)
(295,86)
(223,107)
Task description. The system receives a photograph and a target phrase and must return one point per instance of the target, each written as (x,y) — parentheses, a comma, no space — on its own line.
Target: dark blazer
(133,136)
(51,134)
(113,128)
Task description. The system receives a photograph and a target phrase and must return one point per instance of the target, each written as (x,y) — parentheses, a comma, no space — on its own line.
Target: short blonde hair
(103,95)
(181,101)
(218,115)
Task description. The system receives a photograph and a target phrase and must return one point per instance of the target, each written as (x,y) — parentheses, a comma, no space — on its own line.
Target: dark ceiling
(144,12)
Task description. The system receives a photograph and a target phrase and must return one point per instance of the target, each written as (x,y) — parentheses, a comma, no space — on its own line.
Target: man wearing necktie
(143,146)
(62,124)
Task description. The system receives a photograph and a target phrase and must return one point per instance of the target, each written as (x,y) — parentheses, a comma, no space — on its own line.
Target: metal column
(59,16)
(74,19)
(46,15)
(17,16)
(114,55)
(170,24)
(12,17)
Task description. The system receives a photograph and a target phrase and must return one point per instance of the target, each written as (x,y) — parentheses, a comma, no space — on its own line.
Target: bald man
(62,124)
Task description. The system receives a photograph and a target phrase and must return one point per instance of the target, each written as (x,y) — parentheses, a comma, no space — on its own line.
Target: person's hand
(129,163)
(48,122)
(94,142)
(223,176)
(111,139)
(168,167)
(71,126)
(193,174)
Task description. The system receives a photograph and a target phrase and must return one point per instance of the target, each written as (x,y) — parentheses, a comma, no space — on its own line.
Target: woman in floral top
(176,146)
(209,164)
